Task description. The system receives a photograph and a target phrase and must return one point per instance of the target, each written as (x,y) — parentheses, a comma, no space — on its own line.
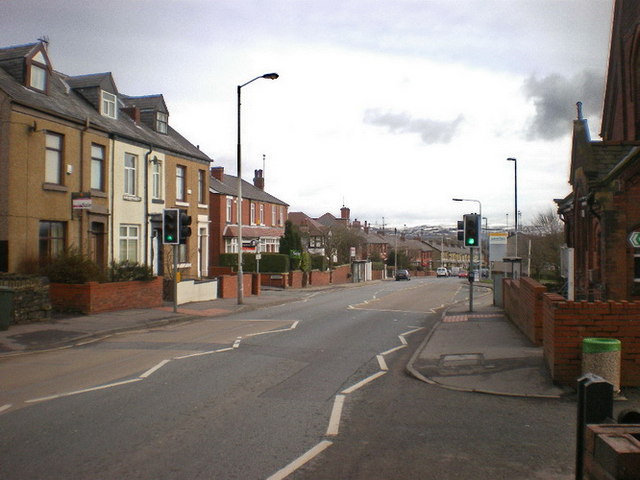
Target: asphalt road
(242,397)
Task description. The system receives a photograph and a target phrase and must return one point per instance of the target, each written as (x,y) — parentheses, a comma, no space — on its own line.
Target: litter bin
(6,307)
(601,356)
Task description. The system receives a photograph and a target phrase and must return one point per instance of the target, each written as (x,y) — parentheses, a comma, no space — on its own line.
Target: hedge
(270,262)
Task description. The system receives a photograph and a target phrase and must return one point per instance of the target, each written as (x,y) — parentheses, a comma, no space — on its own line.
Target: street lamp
(515,182)
(270,76)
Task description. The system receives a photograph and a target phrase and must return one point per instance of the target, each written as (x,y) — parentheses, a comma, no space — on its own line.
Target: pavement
(479,351)
(482,351)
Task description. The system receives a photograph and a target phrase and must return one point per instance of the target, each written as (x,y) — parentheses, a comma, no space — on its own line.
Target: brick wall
(341,274)
(523,305)
(277,280)
(93,297)
(295,279)
(228,285)
(318,278)
(565,324)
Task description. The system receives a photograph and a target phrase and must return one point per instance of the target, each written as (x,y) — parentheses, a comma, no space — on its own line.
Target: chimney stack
(217,173)
(258,179)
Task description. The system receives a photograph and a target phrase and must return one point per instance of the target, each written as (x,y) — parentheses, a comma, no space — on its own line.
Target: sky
(389,107)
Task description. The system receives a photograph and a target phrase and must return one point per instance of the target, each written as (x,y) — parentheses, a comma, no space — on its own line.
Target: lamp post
(515,209)
(270,76)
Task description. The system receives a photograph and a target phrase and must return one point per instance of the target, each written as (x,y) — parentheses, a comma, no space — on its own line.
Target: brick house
(263,216)
(603,209)
(81,166)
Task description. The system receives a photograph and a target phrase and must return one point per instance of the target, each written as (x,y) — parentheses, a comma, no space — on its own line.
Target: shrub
(319,262)
(127,271)
(305,262)
(71,266)
(270,262)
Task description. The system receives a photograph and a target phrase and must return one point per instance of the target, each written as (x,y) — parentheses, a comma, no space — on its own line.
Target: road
(239,397)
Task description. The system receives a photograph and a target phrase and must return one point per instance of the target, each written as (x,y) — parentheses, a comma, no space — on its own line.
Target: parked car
(442,272)
(463,274)
(403,275)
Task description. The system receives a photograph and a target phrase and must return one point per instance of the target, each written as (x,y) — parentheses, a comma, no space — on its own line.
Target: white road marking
(416,329)
(300,461)
(292,327)
(5,407)
(199,354)
(382,363)
(86,390)
(157,367)
(391,350)
(336,414)
(362,383)
(403,340)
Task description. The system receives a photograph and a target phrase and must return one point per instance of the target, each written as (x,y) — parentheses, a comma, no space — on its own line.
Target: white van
(442,272)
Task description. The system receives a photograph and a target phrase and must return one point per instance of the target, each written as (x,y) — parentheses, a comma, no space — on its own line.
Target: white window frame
(181,183)
(231,245)
(98,155)
(253,213)
(281,217)
(54,147)
(273,215)
(108,102)
(38,77)
(129,242)
(162,122)
(156,180)
(130,175)
(229,210)
(261,214)
(202,196)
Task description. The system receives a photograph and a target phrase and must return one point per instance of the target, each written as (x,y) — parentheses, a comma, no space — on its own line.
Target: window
(253,213)
(636,265)
(202,199)
(273,215)
(130,162)
(109,105)
(261,214)
(231,245)
(229,210)
(281,219)
(38,72)
(162,122)
(156,180)
(183,253)
(97,167)
(129,243)
(181,183)
(51,239)
(53,158)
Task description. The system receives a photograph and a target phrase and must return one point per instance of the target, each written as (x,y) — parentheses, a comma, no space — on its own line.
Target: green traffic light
(169,238)
(471,241)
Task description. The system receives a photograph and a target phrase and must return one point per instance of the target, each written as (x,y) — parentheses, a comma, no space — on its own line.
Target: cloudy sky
(390,107)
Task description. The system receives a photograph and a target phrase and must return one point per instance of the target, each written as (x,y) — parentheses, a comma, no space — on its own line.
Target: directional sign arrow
(634,239)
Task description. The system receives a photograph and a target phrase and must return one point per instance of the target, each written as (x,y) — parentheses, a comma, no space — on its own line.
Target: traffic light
(170,226)
(185,229)
(461,230)
(471,230)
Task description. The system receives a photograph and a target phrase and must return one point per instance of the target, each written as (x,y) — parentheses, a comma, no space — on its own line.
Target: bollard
(595,405)
(601,356)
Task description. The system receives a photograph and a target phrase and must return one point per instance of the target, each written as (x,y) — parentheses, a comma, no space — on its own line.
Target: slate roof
(64,102)
(229,186)
(301,218)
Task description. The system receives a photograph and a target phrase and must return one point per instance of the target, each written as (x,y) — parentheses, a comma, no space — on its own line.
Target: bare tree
(547,236)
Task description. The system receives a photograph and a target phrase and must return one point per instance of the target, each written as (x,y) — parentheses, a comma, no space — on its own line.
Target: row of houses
(368,243)
(84,165)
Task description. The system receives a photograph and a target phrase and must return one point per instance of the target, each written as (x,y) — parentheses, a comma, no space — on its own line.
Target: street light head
(511,159)
(270,76)
(456,199)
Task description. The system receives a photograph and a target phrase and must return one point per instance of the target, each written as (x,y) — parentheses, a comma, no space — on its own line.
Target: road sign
(634,239)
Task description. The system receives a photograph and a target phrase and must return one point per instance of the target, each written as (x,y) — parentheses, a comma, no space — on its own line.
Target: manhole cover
(461,360)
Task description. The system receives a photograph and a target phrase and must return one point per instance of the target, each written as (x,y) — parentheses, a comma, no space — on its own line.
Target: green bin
(6,307)
(601,356)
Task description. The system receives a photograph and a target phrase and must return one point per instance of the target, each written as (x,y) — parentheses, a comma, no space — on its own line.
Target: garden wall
(341,274)
(94,297)
(228,285)
(523,303)
(30,299)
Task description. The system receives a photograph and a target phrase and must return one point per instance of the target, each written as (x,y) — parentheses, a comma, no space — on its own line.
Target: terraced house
(84,166)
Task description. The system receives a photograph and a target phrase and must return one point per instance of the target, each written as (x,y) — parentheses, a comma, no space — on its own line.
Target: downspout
(112,196)
(146,205)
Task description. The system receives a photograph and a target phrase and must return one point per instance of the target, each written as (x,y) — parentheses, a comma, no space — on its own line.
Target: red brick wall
(228,285)
(567,323)
(376,274)
(295,279)
(96,297)
(318,278)
(267,281)
(341,274)
(523,305)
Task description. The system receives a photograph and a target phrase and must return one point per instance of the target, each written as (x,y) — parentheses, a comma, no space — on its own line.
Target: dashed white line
(153,369)
(382,362)
(417,329)
(5,407)
(391,350)
(236,344)
(199,354)
(362,383)
(336,414)
(300,461)
(86,390)
(402,340)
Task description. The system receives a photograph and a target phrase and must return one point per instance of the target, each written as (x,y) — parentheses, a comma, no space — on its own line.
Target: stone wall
(30,298)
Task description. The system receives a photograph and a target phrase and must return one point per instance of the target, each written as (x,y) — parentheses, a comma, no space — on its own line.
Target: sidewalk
(482,351)
(66,331)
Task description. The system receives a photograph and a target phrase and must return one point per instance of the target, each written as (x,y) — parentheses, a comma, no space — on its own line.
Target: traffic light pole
(471,275)
(175,279)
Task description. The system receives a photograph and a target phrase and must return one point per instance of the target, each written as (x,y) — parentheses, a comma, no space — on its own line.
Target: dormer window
(37,72)
(109,105)
(162,122)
